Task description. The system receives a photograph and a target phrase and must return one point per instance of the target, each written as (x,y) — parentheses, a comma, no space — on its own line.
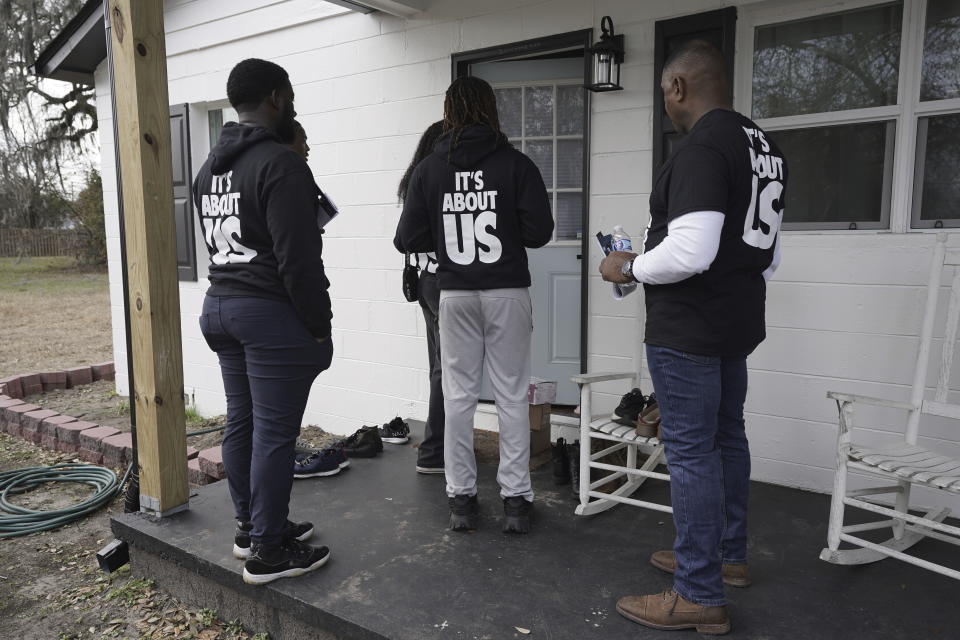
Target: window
(829,90)
(936,191)
(216,119)
(545,121)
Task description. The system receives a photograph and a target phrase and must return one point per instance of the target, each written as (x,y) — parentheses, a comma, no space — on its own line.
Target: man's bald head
(694,81)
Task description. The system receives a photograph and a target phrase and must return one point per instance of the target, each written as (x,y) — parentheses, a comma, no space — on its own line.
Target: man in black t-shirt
(712,242)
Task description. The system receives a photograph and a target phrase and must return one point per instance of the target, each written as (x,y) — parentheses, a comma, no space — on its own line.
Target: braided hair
(427,142)
(469,101)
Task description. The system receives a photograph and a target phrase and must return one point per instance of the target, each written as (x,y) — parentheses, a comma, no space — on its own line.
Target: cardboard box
(541,391)
(539,428)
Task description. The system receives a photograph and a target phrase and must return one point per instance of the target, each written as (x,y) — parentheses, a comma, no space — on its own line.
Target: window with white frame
(855,98)
(545,121)
(216,118)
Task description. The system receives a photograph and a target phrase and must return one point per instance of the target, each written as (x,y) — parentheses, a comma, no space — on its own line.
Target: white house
(862,95)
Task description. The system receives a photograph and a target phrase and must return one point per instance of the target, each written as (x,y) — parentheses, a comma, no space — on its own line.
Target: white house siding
(843,312)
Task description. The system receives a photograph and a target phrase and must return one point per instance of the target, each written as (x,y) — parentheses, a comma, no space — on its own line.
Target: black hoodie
(477,202)
(257,203)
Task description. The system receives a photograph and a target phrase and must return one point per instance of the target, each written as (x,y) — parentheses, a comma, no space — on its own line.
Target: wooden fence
(35,243)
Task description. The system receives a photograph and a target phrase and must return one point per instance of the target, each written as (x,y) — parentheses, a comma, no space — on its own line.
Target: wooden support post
(142,113)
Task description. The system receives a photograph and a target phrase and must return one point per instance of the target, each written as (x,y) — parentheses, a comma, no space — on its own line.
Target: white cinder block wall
(843,312)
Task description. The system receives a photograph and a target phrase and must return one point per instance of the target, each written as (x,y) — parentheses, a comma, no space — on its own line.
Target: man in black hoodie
(266,313)
(479,203)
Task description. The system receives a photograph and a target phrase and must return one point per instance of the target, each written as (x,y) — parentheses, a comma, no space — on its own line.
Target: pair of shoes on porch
(395,432)
(734,575)
(300,531)
(465,513)
(319,463)
(669,610)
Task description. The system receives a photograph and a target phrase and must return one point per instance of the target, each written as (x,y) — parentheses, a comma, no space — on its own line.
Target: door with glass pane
(545,120)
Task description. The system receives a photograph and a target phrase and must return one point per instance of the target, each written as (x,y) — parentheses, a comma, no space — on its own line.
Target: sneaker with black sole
(321,463)
(561,462)
(631,404)
(289,559)
(241,540)
(464,512)
(395,432)
(429,469)
(517,512)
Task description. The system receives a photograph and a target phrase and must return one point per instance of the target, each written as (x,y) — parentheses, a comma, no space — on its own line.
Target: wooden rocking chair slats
(904,463)
(622,437)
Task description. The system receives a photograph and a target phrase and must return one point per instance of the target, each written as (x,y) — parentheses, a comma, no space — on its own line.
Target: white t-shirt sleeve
(690,248)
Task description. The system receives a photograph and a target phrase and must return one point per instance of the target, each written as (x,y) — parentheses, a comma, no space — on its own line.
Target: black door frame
(723,19)
(583,38)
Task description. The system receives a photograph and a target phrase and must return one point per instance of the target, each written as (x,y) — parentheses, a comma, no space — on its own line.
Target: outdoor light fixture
(607,54)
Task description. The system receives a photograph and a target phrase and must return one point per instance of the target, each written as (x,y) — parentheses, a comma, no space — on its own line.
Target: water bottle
(621,242)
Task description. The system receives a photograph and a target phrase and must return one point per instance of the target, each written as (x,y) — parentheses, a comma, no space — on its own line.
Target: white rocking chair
(605,429)
(903,464)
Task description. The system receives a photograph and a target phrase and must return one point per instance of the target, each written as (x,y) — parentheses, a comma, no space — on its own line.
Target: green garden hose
(18,521)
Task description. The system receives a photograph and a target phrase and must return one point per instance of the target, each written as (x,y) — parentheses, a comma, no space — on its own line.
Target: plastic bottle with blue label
(620,241)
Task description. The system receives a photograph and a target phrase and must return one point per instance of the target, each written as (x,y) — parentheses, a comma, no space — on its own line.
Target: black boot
(573,462)
(561,463)
(464,513)
(516,514)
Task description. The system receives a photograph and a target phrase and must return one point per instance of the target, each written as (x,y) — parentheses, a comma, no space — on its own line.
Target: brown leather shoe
(669,610)
(648,422)
(735,575)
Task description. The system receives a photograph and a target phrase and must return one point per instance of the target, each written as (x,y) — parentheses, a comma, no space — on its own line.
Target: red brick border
(92,442)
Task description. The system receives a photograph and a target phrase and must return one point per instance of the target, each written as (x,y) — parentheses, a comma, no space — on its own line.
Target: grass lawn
(54,315)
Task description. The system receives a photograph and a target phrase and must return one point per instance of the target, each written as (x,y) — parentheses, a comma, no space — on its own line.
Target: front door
(541,103)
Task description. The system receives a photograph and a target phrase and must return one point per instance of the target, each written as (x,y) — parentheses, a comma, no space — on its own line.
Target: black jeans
(431,450)
(268,360)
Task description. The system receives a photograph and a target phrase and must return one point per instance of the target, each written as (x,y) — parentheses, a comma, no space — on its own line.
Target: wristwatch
(627,270)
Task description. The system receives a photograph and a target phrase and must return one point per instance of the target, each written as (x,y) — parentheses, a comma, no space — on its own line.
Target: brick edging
(91,442)
(25,384)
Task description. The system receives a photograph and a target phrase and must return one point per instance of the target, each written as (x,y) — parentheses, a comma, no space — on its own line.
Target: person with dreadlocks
(479,203)
(430,452)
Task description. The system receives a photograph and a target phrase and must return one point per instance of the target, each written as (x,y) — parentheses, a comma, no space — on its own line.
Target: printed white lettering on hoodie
(467,233)
(220,212)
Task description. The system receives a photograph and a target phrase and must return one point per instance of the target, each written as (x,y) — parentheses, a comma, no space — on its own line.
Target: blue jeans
(268,360)
(701,407)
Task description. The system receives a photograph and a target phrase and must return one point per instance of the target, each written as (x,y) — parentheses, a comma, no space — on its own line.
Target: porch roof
(75,52)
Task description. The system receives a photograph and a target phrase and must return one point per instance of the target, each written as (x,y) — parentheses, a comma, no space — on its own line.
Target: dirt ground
(55,315)
(51,587)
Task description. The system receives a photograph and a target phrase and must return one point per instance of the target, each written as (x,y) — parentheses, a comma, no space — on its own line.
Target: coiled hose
(19,521)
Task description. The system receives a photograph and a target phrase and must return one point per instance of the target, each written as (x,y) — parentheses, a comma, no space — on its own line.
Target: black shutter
(718,27)
(182,199)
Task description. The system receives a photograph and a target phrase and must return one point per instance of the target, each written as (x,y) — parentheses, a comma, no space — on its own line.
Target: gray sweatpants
(492,327)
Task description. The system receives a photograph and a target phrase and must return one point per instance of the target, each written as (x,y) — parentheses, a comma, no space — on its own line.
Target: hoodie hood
(468,146)
(234,141)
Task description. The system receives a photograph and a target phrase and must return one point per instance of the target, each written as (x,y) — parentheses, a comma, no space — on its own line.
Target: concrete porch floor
(396,572)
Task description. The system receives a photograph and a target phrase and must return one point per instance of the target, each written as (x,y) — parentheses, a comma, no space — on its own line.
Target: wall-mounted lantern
(607,58)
